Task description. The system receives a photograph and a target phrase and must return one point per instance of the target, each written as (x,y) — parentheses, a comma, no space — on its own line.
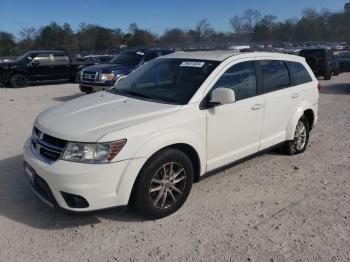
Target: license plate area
(30,173)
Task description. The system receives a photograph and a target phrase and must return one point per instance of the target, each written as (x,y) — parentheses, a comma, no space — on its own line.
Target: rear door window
(241,79)
(299,73)
(60,59)
(275,75)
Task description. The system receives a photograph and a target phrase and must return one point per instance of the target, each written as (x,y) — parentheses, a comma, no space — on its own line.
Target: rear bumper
(100,185)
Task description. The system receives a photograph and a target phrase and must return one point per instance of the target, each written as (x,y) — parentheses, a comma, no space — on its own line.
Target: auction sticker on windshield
(192,64)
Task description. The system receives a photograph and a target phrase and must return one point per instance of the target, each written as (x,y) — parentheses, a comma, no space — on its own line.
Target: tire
(336,71)
(328,74)
(19,80)
(291,147)
(156,176)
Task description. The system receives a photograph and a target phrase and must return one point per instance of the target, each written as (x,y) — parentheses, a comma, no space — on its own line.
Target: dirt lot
(269,208)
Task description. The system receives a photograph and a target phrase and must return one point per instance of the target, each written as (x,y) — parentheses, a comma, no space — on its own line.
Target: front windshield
(166,80)
(24,57)
(127,58)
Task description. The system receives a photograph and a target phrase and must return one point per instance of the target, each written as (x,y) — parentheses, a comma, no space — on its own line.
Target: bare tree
(28,33)
(237,24)
(252,17)
(202,27)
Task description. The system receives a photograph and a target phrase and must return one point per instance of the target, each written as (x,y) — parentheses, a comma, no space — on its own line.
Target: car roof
(221,55)
(218,55)
(47,51)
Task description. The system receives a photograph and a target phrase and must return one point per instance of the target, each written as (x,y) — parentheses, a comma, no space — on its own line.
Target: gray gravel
(269,208)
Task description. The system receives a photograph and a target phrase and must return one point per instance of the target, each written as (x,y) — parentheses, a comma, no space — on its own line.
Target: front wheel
(301,138)
(19,80)
(163,184)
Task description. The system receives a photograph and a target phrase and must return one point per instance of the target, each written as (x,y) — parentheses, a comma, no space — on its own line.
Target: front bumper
(101,185)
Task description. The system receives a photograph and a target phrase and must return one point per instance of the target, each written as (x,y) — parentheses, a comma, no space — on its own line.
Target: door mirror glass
(222,96)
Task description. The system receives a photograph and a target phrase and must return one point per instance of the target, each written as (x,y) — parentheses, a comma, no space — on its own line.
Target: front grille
(48,147)
(87,76)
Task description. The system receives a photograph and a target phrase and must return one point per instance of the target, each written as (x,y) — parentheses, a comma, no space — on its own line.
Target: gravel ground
(269,208)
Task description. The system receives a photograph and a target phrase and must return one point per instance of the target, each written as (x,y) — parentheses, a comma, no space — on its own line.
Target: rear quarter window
(275,75)
(299,73)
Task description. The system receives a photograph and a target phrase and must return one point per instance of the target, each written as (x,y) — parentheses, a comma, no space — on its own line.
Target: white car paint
(219,135)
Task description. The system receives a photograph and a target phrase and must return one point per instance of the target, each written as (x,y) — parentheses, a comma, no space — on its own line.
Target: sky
(155,15)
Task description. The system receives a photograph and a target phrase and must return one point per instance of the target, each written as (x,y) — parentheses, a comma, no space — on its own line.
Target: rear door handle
(296,95)
(257,106)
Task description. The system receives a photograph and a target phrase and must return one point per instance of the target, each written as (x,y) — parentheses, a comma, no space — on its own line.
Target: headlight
(93,153)
(105,77)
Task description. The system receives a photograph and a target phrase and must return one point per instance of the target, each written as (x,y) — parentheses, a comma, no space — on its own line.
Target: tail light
(318,87)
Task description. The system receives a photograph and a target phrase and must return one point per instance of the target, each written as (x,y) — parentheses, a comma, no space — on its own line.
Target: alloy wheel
(167,185)
(299,141)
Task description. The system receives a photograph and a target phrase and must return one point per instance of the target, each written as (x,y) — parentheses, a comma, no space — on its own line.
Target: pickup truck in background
(103,76)
(38,66)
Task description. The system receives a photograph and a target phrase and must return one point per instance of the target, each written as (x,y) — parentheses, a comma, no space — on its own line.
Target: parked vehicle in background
(344,61)
(322,61)
(98,59)
(90,60)
(37,66)
(103,76)
(239,48)
(144,141)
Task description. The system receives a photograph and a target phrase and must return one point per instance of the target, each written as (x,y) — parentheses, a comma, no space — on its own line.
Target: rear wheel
(301,138)
(163,184)
(19,80)
(328,74)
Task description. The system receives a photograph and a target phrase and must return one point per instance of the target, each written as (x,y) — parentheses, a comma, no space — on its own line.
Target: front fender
(167,138)
(152,145)
(299,112)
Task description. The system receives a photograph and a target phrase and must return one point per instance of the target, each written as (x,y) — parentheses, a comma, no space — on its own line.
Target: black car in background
(38,66)
(103,76)
(344,61)
(322,61)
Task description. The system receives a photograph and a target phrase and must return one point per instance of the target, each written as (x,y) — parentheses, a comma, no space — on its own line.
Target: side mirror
(29,59)
(222,96)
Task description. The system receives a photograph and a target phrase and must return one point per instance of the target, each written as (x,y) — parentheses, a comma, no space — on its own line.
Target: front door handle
(296,95)
(257,106)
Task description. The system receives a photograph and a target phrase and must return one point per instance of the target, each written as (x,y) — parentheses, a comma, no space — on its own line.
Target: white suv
(146,140)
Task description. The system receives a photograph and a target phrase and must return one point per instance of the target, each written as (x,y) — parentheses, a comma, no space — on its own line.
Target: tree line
(250,27)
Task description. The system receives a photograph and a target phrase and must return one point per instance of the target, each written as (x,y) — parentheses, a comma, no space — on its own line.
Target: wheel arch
(307,111)
(187,149)
(22,72)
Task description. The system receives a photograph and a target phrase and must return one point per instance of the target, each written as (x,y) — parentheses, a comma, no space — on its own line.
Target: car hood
(9,63)
(88,118)
(106,68)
